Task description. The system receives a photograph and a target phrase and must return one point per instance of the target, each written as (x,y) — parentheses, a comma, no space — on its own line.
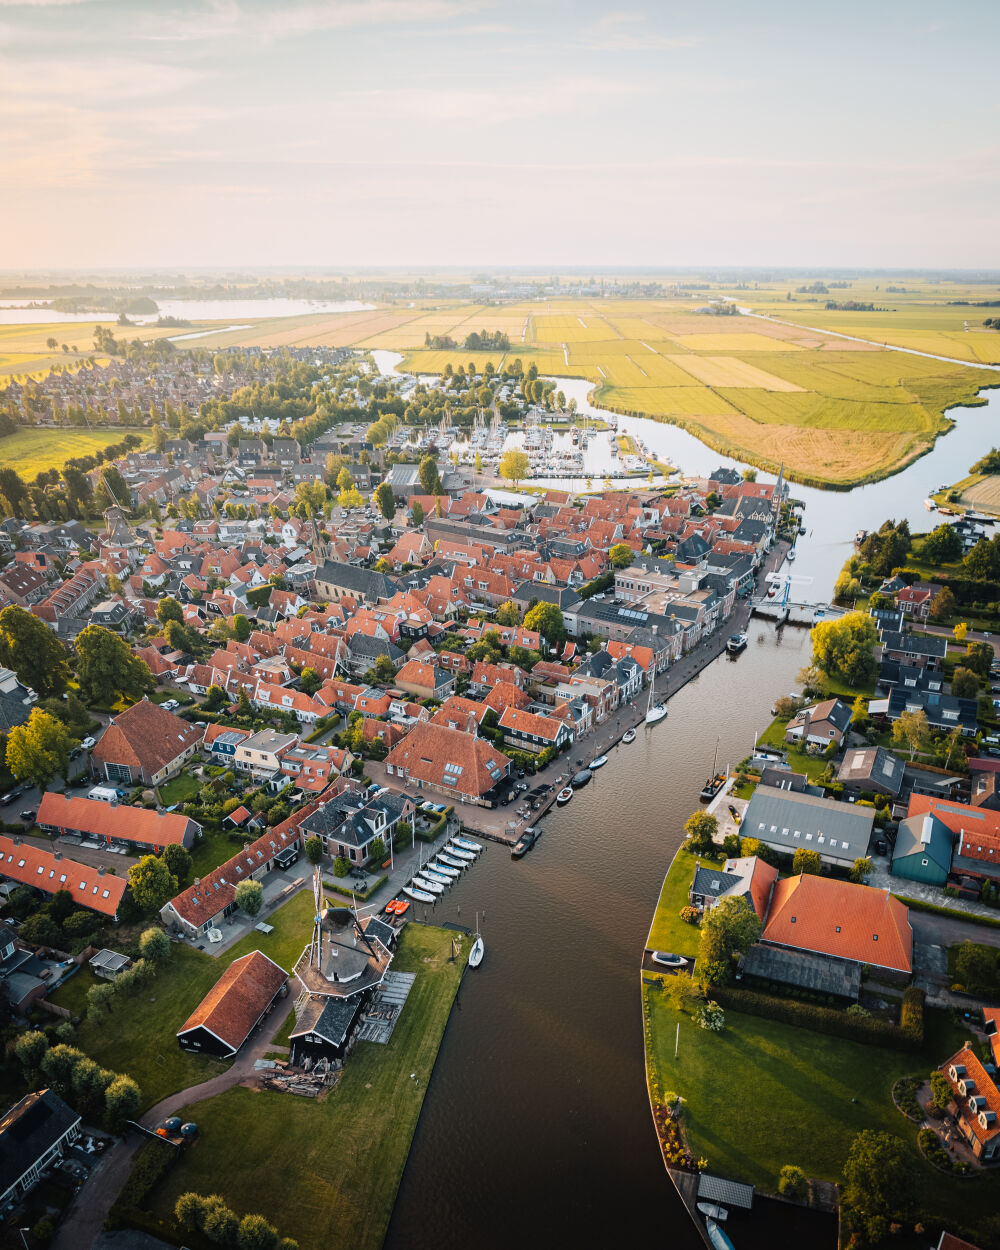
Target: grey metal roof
(729,1193)
(804,968)
(787,820)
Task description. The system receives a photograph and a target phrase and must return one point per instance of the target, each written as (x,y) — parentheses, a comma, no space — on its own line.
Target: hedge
(871,1030)
(153,1160)
(911,1016)
(341,887)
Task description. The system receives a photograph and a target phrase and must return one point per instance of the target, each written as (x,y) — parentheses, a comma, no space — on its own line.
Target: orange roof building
(51,871)
(461,765)
(144,743)
(977,1103)
(141,827)
(840,919)
(233,1007)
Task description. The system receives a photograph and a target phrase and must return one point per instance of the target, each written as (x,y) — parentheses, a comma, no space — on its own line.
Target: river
(536,1130)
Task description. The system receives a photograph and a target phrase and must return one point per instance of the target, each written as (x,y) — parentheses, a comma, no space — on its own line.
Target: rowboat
(421,896)
(467,844)
(599,762)
(628,736)
(564,795)
(425,883)
(712,1211)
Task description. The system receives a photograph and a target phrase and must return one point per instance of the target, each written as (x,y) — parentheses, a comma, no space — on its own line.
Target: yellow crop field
(728,371)
(983,494)
(665,401)
(737,343)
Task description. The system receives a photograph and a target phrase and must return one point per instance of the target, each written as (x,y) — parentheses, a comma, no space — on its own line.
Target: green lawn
(344,1156)
(179,789)
(213,849)
(762,1094)
(33,450)
(668,931)
(139,1037)
(814,766)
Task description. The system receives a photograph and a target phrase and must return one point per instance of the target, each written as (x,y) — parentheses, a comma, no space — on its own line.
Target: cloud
(104,78)
(40,4)
(629,32)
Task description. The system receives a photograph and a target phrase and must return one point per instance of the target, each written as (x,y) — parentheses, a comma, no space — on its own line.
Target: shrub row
(917,904)
(871,1030)
(152,1162)
(911,1016)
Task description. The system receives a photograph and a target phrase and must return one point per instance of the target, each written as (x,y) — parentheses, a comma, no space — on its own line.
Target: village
(271,728)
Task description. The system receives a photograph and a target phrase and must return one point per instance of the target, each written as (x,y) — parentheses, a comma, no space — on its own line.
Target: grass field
(668,931)
(31,451)
(142,1040)
(794,1096)
(344,1157)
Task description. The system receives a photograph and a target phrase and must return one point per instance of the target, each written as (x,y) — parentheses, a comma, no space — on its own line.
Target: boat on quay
(736,644)
(564,795)
(628,736)
(467,844)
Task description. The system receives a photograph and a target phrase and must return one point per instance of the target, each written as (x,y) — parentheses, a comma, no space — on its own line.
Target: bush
(934,1152)
(341,866)
(873,1031)
(793,1183)
(689,914)
(152,1162)
(911,1017)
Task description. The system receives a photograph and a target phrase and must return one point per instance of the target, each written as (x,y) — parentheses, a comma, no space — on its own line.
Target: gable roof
(788,820)
(238,999)
(107,820)
(145,736)
(839,918)
(50,871)
(448,757)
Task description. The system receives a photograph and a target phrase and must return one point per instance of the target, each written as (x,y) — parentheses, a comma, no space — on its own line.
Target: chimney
(197,881)
(100,872)
(16,840)
(57,856)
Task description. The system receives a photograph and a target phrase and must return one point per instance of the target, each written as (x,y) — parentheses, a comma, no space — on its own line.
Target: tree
(310,680)
(508,613)
(241,627)
(122,1099)
(940,1089)
(942,545)
(879,1184)
(30,1049)
(844,648)
(351,498)
(189,1210)
(808,862)
(980,657)
(384,500)
(430,480)
(859,713)
(417,513)
(178,860)
(728,931)
(220,1224)
(153,884)
(793,1183)
(107,668)
(59,1064)
(861,869)
(943,606)
(154,945)
(255,1233)
(701,828)
(39,749)
(983,562)
(214,699)
(975,966)
(250,897)
(40,930)
(32,650)
(314,849)
(621,555)
(169,609)
(547,620)
(99,1000)
(960,630)
(911,732)
(377,851)
(964,683)
(754,846)
(344,479)
(785,707)
(514,465)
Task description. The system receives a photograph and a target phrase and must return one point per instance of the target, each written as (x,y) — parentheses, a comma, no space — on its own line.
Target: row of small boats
(434,877)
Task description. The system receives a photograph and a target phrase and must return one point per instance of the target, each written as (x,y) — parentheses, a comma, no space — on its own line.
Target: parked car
(9,797)
(170,705)
(88,743)
(28,814)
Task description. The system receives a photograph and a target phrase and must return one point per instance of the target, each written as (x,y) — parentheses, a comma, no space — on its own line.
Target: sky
(406,133)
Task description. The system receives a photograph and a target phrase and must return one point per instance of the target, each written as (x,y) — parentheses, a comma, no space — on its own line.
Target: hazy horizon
(423,134)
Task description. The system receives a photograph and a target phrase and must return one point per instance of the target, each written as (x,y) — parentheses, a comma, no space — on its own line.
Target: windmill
(341,959)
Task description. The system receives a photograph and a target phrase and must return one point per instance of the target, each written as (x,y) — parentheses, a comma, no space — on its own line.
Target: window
(924,862)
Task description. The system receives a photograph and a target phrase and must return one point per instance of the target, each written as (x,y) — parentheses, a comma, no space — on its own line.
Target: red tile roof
(145,736)
(239,998)
(427,748)
(51,871)
(855,922)
(106,820)
(985,1087)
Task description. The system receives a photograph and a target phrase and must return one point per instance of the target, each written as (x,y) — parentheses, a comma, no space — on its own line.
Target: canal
(536,1129)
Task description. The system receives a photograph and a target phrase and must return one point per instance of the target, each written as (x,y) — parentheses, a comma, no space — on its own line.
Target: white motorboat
(599,762)
(421,896)
(712,1211)
(425,883)
(628,736)
(430,873)
(736,643)
(564,795)
(451,861)
(478,948)
(460,854)
(467,844)
(444,870)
